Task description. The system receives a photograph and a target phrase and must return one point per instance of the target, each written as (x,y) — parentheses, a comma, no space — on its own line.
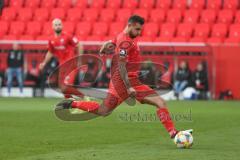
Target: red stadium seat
(48,3)
(74,14)
(64,4)
(16,3)
(25,14)
(107,38)
(43,37)
(151,29)
(116,28)
(145,39)
(202,30)
(90,15)
(164,4)
(180,4)
(107,15)
(174,16)
(58,13)
(34,28)
(231,4)
(208,16)
(191,16)
(69,27)
(225,16)
(32,3)
(94,38)
(10,37)
(234,31)
(114,4)
(130,4)
(219,30)
(197,40)
(157,15)
(142,12)
(163,39)
(179,39)
(4,28)
(123,15)
(100,29)
(197,4)
(237,17)
(8,14)
(47,28)
(214,4)
(26,37)
(97,4)
(185,30)
(147,4)
(168,30)
(214,40)
(83,29)
(232,40)
(17,28)
(81,4)
(41,14)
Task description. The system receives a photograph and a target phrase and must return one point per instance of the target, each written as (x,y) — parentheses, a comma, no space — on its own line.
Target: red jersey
(62,47)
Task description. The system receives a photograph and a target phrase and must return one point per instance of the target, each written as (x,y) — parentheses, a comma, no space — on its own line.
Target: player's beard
(58,31)
(131,35)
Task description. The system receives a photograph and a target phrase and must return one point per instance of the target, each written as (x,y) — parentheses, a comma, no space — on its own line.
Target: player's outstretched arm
(107,47)
(47,58)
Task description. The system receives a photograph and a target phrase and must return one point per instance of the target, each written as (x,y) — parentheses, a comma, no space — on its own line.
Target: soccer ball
(183,139)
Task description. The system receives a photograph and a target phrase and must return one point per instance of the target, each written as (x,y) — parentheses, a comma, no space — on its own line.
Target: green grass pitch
(29,130)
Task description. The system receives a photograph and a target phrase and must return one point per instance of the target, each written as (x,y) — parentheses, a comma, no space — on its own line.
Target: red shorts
(117,92)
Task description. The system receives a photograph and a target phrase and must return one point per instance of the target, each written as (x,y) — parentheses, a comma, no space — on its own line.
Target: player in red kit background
(62,46)
(124,79)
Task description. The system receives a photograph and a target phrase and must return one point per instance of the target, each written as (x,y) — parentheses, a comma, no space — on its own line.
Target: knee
(104,111)
(160,103)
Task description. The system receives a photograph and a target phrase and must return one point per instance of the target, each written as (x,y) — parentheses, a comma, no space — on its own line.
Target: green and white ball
(183,139)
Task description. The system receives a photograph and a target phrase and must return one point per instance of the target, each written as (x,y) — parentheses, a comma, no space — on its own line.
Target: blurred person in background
(1,5)
(16,68)
(200,81)
(182,78)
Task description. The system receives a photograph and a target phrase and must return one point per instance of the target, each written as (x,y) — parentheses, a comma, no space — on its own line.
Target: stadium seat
(131,4)
(10,37)
(234,31)
(25,14)
(4,28)
(34,28)
(163,39)
(164,4)
(74,14)
(41,14)
(114,4)
(64,4)
(107,15)
(237,17)
(90,15)
(168,30)
(197,4)
(142,12)
(83,29)
(69,27)
(232,40)
(147,4)
(32,3)
(225,16)
(150,29)
(185,30)
(48,3)
(99,4)
(43,37)
(16,3)
(47,28)
(174,16)
(179,39)
(214,4)
(58,13)
(197,40)
(208,16)
(231,4)
(116,28)
(100,29)
(17,28)
(8,14)
(145,39)
(81,4)
(180,4)
(219,30)
(214,40)
(123,14)
(94,38)
(157,16)
(191,16)
(202,30)
(26,37)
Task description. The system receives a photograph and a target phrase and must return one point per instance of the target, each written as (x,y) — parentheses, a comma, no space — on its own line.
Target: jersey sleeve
(73,41)
(125,47)
(50,47)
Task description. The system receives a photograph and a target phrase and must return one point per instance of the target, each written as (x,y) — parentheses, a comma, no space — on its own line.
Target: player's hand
(107,48)
(131,92)
(41,66)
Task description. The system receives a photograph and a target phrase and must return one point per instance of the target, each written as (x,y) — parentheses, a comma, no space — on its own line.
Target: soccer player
(62,46)
(124,79)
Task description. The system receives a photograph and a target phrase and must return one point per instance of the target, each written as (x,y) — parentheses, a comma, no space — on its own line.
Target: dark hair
(136,19)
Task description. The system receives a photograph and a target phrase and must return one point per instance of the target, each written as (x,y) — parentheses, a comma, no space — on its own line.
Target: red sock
(166,120)
(67,96)
(73,91)
(88,106)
